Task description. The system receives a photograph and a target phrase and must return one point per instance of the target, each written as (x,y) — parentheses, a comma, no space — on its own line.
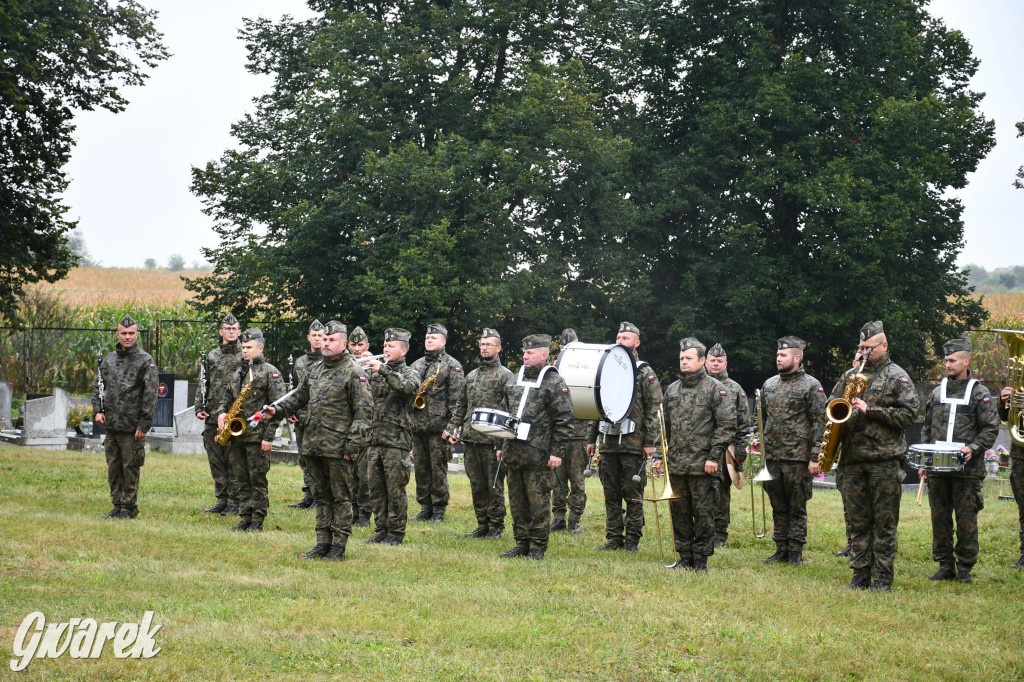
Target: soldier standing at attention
(960,409)
(221,364)
(484,387)
(249,453)
(299,420)
(793,404)
(441,381)
(126,407)
(700,423)
(573,465)
(337,396)
(391,438)
(539,395)
(717,365)
(359,347)
(873,445)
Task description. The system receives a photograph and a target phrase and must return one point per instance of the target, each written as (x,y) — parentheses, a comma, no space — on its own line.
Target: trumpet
(370,358)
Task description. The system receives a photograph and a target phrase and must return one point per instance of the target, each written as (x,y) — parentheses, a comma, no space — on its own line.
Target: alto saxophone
(419,402)
(233,424)
(838,413)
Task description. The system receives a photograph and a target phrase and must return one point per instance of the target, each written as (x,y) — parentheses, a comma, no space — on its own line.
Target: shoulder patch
(152,366)
(820,389)
(904,380)
(565,390)
(742,394)
(987,399)
(362,378)
(723,393)
(651,378)
(276,376)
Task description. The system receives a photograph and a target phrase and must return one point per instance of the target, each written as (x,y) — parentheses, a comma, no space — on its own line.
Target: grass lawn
(241,606)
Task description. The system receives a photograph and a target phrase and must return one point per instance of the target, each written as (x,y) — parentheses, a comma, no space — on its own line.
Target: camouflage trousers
(431,455)
(571,472)
(949,495)
(332,479)
(871,492)
(617,470)
(307,479)
(389,470)
(488,499)
(846,514)
(1017,485)
(250,467)
(529,499)
(361,486)
(125,457)
(693,513)
(225,488)
(788,492)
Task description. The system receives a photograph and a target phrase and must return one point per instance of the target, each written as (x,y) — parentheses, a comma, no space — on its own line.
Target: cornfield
(104,286)
(990,353)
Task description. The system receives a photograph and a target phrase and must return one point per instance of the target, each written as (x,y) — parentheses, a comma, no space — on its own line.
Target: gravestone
(46,422)
(187,438)
(6,394)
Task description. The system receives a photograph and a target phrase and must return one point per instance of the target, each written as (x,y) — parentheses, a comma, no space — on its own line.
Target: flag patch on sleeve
(820,389)
(905,380)
(277,376)
(723,393)
(362,378)
(987,399)
(565,390)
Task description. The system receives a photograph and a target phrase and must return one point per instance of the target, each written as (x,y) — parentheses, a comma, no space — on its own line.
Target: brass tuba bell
(1015,369)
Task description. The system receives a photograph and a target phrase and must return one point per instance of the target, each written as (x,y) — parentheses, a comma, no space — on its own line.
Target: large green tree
(56,57)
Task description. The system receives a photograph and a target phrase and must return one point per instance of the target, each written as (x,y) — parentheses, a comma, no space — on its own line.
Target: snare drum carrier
(944,455)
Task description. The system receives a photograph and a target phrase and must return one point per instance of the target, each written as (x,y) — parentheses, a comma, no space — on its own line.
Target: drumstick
(920,492)
(497,472)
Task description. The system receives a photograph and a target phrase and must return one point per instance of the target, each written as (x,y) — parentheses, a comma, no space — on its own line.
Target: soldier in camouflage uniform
(484,387)
(391,438)
(336,393)
(873,446)
(573,466)
(700,423)
(624,447)
(1016,470)
(299,420)
(359,347)
(431,425)
(221,364)
(960,409)
(543,432)
(717,368)
(249,453)
(126,407)
(793,409)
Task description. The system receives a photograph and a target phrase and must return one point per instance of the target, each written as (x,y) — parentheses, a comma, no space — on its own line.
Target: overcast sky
(130,172)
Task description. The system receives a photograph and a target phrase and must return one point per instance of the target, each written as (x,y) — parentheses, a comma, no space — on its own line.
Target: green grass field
(241,606)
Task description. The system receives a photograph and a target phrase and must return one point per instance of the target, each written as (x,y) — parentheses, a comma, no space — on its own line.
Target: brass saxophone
(233,424)
(838,413)
(419,402)
(1015,369)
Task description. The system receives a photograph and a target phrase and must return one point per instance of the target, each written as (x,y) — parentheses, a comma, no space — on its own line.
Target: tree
(176,262)
(150,264)
(58,57)
(80,251)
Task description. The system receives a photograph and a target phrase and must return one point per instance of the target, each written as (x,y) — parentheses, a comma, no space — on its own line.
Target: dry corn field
(92,286)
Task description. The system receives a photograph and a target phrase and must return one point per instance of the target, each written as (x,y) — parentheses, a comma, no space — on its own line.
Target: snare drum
(936,456)
(601,380)
(492,422)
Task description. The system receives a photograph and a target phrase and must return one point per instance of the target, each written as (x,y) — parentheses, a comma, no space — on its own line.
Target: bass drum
(601,380)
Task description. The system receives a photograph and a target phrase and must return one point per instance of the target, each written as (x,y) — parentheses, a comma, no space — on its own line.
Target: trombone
(762,475)
(666,492)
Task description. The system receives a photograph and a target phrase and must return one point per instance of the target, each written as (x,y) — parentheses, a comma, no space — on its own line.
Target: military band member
(221,364)
(484,387)
(793,405)
(717,368)
(441,381)
(961,412)
(624,446)
(359,347)
(390,462)
(336,393)
(249,453)
(573,465)
(540,398)
(125,406)
(315,337)
(1016,471)
(873,446)
(700,423)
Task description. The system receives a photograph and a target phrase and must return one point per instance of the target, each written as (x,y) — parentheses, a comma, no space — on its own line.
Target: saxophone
(419,402)
(838,413)
(1015,419)
(233,424)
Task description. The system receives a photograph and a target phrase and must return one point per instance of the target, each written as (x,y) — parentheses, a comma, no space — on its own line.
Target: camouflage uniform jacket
(221,364)
(700,422)
(484,387)
(392,403)
(267,386)
(1016,451)
(335,393)
(129,396)
(442,397)
(892,407)
(793,407)
(739,398)
(301,369)
(548,411)
(976,424)
(644,414)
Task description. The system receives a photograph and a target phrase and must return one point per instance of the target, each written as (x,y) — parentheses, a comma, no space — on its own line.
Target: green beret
(871,329)
(229,320)
(253,334)
(717,351)
(316,326)
(397,334)
(629,327)
(127,321)
(954,345)
(792,342)
(437,328)
(690,342)
(335,327)
(489,333)
(357,335)
(567,336)
(536,341)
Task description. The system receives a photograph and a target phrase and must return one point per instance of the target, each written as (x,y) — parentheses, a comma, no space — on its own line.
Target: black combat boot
(437,517)
(112,514)
(319,550)
(700,564)
(558,524)
(1019,563)
(229,510)
(632,546)
(217,508)
(945,572)
(781,554)
(337,553)
(796,557)
(255,526)
(963,573)
(881,585)
(574,526)
(305,503)
(376,538)
(685,562)
(845,551)
(424,515)
(392,540)
(521,549)
(719,542)
(535,553)
(241,525)
(478,532)
(610,545)
(861,579)
(494,534)
(127,513)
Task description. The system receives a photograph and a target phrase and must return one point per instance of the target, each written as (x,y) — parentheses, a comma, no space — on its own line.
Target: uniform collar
(334,360)
(721,376)
(314,354)
(125,353)
(795,374)
(691,380)
(232,347)
(489,363)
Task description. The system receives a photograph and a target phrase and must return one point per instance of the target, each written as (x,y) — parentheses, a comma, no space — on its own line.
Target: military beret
(316,326)
(871,329)
(690,342)
(437,328)
(253,334)
(954,345)
(127,321)
(489,333)
(357,335)
(229,320)
(792,342)
(397,334)
(335,327)
(536,341)
(629,327)
(717,351)
(567,336)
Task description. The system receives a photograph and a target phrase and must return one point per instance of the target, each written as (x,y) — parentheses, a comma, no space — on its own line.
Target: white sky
(130,172)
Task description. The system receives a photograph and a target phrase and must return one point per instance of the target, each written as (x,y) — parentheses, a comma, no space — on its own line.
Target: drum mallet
(920,491)
(558,478)
(497,473)
(643,465)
